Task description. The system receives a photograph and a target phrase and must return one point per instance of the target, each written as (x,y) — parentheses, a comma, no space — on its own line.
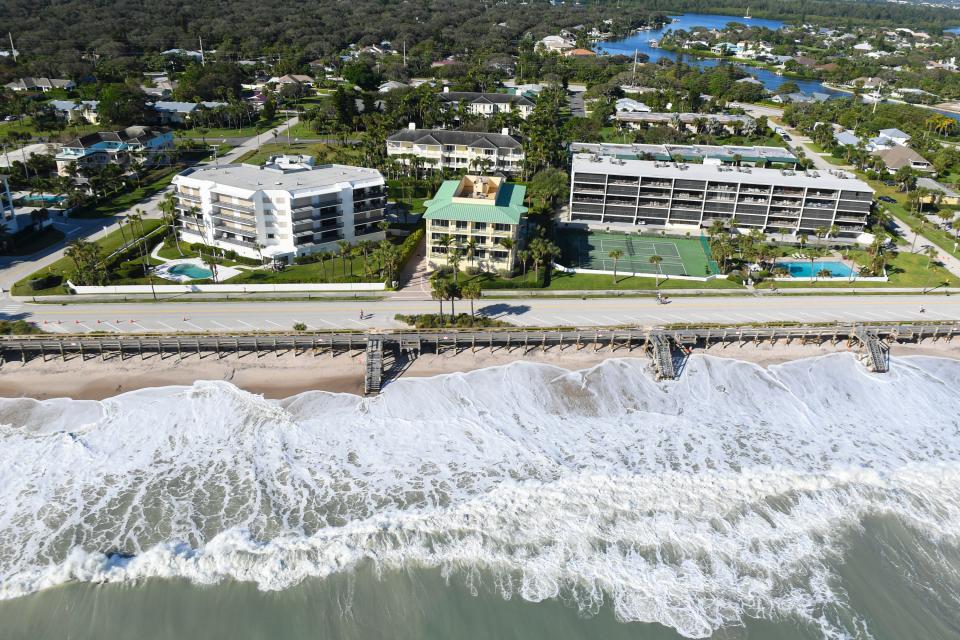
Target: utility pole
(203,60)
(13,49)
(404,54)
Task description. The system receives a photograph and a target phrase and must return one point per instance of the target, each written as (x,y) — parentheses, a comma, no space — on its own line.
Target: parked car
(890,183)
(785,136)
(886,199)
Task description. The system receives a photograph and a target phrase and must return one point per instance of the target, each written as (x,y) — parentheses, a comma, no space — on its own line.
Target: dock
(667,347)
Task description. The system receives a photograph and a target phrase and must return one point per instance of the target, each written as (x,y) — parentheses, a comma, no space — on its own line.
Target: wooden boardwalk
(663,344)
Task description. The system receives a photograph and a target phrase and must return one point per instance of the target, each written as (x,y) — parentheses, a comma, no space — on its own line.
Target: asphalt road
(536,312)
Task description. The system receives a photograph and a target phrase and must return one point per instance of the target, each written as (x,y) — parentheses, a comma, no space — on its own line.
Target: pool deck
(163,271)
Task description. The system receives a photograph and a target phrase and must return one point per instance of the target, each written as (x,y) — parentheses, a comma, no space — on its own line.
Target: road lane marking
(221,325)
(275,324)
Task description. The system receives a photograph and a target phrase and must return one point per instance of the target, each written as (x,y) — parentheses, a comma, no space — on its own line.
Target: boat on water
(747,16)
(653,44)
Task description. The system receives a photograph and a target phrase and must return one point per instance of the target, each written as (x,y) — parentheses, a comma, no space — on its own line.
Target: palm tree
(260,248)
(471,291)
(452,289)
(438,291)
(168,208)
(931,253)
(655,260)
(524,256)
(454,261)
(343,251)
(211,261)
(507,243)
(615,255)
(824,273)
(471,249)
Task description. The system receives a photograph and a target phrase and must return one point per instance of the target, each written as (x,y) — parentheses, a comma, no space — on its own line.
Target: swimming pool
(42,199)
(807,269)
(191,271)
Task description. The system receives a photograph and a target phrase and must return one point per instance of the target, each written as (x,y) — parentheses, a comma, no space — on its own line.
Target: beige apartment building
(485,210)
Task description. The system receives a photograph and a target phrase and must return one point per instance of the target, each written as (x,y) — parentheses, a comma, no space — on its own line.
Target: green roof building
(480,216)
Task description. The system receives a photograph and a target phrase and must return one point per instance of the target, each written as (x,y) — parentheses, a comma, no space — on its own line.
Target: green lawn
(325,153)
(331,270)
(26,126)
(169,252)
(150,185)
(233,132)
(590,281)
(64,267)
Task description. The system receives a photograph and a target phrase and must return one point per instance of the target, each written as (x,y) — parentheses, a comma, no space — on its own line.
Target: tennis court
(678,256)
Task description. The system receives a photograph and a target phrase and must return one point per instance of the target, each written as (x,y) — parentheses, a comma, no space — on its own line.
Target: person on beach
(361,314)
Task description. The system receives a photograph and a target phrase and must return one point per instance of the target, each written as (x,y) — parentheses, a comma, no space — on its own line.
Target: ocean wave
(696,503)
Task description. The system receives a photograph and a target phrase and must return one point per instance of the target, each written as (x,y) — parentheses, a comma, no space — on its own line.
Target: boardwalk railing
(662,343)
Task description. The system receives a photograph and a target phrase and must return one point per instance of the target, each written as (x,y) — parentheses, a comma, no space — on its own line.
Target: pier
(667,347)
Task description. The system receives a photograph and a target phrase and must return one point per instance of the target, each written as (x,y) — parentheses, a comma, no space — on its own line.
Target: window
(270,235)
(480,226)
(461,225)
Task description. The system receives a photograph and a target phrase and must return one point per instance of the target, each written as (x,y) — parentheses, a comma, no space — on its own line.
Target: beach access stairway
(373,372)
(876,351)
(662,355)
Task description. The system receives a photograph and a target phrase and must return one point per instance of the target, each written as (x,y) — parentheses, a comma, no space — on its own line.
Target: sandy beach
(287,375)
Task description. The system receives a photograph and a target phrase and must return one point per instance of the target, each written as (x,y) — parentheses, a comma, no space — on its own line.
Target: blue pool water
(806,269)
(42,199)
(191,271)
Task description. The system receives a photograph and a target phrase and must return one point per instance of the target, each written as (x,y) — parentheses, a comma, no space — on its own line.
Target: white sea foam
(726,494)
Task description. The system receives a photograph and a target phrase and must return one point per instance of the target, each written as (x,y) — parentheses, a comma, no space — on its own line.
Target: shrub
(129,270)
(409,245)
(735,277)
(462,320)
(474,271)
(45,281)
(299,326)
(17,327)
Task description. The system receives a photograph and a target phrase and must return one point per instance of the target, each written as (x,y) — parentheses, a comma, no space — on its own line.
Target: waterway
(640,42)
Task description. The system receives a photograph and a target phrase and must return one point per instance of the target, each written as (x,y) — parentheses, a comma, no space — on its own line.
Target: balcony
(186,197)
(249,222)
(373,216)
(245,208)
(237,241)
(578,188)
(367,205)
(299,227)
(311,207)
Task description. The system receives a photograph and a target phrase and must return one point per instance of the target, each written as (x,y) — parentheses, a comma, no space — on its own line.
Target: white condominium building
(472,151)
(283,209)
(612,192)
